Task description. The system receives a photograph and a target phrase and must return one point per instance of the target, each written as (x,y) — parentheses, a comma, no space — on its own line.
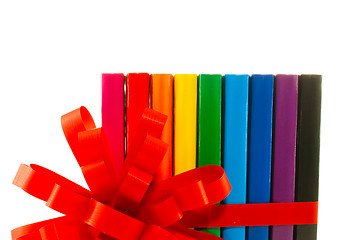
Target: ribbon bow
(128,207)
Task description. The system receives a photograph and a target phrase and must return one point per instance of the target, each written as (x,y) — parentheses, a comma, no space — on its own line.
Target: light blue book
(236,92)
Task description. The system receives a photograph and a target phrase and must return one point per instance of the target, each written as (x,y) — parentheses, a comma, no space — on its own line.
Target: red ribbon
(128,207)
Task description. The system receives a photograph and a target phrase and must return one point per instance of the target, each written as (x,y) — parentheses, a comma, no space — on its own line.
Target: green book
(209,125)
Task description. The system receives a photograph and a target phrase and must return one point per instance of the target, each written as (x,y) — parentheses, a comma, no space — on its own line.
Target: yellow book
(185,120)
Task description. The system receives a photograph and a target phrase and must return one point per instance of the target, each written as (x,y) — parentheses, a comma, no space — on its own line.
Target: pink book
(113,116)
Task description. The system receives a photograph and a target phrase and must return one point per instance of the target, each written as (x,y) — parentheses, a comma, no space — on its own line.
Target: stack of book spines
(263,129)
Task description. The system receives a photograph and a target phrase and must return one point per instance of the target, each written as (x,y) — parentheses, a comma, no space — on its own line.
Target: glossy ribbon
(128,207)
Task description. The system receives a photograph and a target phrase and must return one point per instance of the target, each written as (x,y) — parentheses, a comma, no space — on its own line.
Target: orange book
(162,101)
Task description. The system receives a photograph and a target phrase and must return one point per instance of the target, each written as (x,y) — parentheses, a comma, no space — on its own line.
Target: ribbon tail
(266,214)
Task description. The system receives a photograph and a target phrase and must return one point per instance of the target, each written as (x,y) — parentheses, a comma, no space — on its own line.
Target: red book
(137,99)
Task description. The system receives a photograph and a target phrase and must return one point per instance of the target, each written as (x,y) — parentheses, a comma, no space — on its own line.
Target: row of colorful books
(263,129)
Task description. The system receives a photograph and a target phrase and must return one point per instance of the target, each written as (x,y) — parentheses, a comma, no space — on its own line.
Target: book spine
(308,148)
(162,101)
(260,147)
(209,125)
(236,92)
(284,147)
(137,99)
(185,115)
(112,112)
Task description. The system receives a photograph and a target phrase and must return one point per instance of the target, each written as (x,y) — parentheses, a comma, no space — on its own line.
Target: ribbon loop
(68,202)
(39,181)
(191,190)
(59,231)
(74,122)
(150,154)
(152,213)
(152,124)
(140,175)
(215,183)
(196,195)
(113,222)
(138,182)
(95,175)
(91,151)
(141,164)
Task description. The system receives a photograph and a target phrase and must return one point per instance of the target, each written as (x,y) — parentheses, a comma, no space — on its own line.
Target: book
(235,122)
(113,121)
(161,98)
(308,148)
(185,122)
(284,147)
(260,147)
(209,125)
(137,99)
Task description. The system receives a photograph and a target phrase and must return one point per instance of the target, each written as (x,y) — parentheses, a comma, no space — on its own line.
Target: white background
(52,54)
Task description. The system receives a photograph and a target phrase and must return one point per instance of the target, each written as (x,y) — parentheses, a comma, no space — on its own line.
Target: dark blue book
(260,147)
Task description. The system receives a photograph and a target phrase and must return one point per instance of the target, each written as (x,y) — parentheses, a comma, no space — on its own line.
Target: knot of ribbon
(127,206)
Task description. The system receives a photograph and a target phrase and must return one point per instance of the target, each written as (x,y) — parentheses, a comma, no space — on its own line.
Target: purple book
(284,155)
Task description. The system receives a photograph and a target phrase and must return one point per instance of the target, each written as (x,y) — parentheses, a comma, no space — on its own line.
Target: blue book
(236,92)
(260,147)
